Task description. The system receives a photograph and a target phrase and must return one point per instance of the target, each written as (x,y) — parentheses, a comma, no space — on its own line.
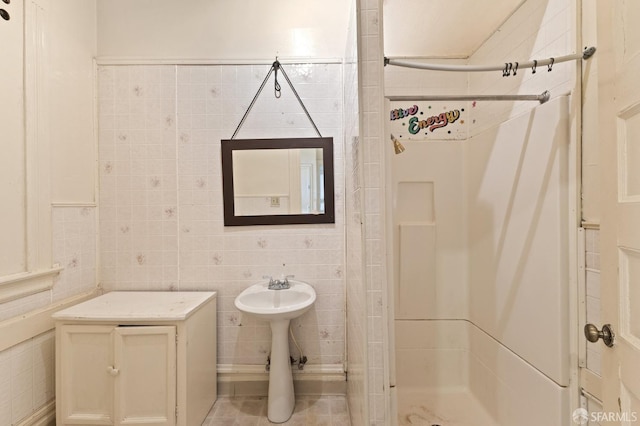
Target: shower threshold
(447,407)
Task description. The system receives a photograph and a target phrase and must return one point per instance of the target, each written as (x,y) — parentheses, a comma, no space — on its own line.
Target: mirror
(278,181)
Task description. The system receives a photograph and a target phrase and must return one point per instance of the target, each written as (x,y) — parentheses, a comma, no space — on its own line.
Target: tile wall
(27,373)
(592,271)
(161,195)
(74,248)
(592,239)
(373,145)
(356,290)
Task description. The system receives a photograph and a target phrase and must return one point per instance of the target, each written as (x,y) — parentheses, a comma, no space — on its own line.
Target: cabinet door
(85,387)
(145,371)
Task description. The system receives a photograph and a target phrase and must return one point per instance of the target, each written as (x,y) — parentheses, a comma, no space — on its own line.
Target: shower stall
(480,240)
(482,217)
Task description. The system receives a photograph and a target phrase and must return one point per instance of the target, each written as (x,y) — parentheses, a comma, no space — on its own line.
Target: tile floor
(252,411)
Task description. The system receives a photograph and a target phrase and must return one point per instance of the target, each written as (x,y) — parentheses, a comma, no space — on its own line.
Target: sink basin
(278,307)
(286,304)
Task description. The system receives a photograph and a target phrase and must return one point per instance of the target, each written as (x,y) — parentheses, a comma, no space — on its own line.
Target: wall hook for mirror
(277,90)
(550,66)
(275,67)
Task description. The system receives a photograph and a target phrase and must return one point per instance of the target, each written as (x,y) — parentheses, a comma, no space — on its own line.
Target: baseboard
(253,380)
(44,416)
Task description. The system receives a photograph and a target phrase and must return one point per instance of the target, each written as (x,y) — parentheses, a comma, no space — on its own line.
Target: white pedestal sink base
(281,400)
(278,307)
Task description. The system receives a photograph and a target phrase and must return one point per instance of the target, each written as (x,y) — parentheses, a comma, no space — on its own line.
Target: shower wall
(517,200)
(522,180)
(539,29)
(518,237)
(429,231)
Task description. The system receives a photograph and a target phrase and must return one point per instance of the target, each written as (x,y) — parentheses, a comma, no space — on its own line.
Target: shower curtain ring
(535,65)
(550,66)
(515,70)
(507,69)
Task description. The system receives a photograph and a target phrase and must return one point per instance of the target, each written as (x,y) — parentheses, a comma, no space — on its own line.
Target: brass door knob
(592,334)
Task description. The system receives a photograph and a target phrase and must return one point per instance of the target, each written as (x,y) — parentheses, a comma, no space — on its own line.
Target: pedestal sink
(278,307)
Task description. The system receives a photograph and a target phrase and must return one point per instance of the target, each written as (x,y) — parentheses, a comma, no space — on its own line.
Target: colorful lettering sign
(421,120)
(402,113)
(433,122)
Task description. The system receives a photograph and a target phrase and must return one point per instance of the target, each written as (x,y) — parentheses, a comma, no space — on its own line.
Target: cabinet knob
(113,371)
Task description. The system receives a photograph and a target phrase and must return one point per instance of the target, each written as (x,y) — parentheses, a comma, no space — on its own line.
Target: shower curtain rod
(508,66)
(542,98)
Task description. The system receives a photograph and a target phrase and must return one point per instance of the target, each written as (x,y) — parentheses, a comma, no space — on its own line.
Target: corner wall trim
(27,283)
(18,329)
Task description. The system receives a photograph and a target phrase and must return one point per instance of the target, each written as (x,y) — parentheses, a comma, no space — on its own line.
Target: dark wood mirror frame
(230,145)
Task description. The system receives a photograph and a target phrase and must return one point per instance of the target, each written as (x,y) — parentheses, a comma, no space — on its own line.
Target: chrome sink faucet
(279,284)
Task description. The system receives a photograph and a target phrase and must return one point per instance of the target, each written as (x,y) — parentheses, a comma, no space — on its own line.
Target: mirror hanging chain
(278,93)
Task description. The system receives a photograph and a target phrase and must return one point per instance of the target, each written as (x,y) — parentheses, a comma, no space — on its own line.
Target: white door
(145,372)
(619,98)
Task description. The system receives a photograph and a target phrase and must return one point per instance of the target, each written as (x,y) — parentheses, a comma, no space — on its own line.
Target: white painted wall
(60,129)
(590,151)
(261,173)
(73,44)
(221,29)
(12,161)
(62,119)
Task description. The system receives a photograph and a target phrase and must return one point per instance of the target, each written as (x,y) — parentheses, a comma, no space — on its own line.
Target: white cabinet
(114,372)
(143,358)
